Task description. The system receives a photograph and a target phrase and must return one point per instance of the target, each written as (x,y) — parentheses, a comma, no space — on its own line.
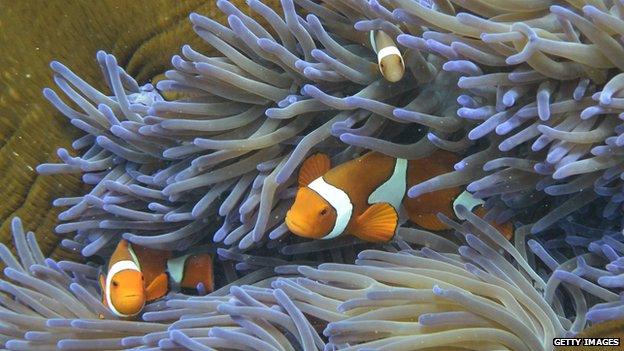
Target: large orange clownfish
(362,197)
(137,275)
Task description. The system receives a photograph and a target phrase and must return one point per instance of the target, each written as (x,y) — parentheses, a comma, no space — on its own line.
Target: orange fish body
(362,197)
(136,275)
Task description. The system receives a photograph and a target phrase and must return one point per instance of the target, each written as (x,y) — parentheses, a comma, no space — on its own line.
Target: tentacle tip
(537,228)
(16,223)
(56,65)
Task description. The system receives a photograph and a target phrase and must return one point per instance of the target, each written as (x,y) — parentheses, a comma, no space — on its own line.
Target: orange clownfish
(137,275)
(362,197)
(389,58)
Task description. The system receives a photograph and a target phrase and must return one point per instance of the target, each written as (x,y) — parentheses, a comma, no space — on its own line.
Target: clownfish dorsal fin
(313,167)
(102,281)
(377,224)
(157,288)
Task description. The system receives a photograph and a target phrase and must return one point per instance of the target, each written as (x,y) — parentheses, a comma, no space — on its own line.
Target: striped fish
(363,197)
(137,275)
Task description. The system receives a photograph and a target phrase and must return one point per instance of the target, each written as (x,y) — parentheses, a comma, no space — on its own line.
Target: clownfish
(389,58)
(362,197)
(137,275)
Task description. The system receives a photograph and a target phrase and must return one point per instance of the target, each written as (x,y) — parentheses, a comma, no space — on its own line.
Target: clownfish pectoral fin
(377,224)
(313,167)
(102,280)
(157,288)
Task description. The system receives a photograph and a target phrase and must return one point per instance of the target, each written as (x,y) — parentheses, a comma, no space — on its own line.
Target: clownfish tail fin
(198,269)
(314,167)
(377,224)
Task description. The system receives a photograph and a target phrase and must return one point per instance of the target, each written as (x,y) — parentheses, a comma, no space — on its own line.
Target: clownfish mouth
(133,295)
(294,227)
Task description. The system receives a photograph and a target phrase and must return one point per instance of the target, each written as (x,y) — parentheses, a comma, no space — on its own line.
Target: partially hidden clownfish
(474,204)
(362,197)
(137,275)
(389,58)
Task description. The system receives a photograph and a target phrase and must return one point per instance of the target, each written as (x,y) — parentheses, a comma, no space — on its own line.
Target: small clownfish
(389,58)
(362,197)
(137,275)
(474,204)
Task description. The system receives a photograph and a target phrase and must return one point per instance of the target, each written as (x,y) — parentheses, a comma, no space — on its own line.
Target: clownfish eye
(323,211)
(142,278)
(115,284)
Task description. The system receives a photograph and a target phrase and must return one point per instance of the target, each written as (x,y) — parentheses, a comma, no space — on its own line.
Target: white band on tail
(339,200)
(116,268)
(387,51)
(175,267)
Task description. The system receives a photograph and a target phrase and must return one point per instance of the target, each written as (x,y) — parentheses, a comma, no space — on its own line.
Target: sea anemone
(541,86)
(590,260)
(240,126)
(49,305)
(527,92)
(444,295)
(244,121)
